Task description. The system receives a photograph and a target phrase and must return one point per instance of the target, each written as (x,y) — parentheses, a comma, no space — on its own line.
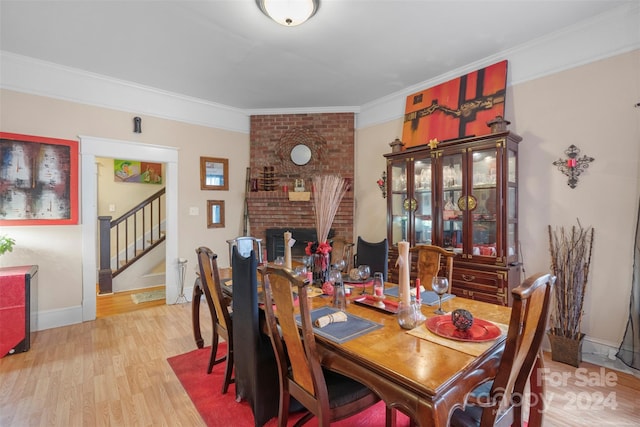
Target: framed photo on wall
(214,173)
(215,213)
(39,180)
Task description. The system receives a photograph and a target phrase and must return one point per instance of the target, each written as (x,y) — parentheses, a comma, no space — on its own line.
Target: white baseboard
(47,319)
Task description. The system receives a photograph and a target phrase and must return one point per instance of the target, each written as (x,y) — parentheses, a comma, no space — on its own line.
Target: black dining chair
(375,255)
(256,371)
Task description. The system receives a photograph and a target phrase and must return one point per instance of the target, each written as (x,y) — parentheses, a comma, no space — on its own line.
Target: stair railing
(128,238)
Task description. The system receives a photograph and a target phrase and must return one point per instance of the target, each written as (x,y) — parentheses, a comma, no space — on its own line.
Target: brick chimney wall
(333,153)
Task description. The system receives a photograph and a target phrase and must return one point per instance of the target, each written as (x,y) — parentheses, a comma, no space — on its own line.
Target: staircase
(127,239)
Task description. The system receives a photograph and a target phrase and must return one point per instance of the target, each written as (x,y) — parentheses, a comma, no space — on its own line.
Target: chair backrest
(375,255)
(245,245)
(299,367)
(527,326)
(256,372)
(210,277)
(341,249)
(428,263)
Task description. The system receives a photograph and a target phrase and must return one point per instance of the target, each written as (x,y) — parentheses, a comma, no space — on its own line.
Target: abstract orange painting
(458,108)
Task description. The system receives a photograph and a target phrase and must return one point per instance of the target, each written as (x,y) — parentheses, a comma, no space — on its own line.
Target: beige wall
(122,195)
(58,249)
(589,106)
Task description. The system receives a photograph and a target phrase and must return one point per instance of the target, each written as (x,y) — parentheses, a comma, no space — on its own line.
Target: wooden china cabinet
(461,195)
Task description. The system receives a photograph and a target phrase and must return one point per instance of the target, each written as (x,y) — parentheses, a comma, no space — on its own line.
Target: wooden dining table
(423,379)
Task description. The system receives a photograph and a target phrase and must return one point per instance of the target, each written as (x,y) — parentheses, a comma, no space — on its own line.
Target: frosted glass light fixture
(289,12)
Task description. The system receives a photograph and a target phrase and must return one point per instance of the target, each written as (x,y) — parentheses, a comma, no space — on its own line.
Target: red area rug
(222,410)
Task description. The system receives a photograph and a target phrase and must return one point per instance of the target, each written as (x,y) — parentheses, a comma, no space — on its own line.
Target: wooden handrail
(106,225)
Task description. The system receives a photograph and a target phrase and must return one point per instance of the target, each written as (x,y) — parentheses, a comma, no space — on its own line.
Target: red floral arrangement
(317,248)
(319,263)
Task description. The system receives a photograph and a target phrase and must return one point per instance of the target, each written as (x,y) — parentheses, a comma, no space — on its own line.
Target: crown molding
(603,36)
(606,35)
(28,75)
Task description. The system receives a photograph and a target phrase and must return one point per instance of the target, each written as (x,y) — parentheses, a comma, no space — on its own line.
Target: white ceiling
(350,53)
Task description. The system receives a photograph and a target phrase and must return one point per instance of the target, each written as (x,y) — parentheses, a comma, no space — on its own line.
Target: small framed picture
(215,213)
(214,173)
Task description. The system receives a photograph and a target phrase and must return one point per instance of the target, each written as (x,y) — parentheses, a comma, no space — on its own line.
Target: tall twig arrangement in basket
(570,260)
(328,193)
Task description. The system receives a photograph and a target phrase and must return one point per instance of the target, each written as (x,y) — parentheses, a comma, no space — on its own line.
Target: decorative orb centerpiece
(354,274)
(461,319)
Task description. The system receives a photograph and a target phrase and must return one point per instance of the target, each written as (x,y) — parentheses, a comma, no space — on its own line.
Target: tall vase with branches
(570,260)
(327,195)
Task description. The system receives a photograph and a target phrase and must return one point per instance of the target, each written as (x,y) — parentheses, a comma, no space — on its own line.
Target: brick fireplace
(331,139)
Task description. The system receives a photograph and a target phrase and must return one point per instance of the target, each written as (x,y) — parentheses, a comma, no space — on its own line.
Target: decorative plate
(480,331)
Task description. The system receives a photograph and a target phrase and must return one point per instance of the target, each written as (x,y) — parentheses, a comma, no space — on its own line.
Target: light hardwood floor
(121,302)
(113,372)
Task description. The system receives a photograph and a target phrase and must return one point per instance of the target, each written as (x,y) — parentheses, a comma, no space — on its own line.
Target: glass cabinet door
(452,214)
(423,215)
(512,198)
(398,194)
(484,195)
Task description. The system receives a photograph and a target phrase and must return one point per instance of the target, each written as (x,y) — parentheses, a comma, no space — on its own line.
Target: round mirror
(300,154)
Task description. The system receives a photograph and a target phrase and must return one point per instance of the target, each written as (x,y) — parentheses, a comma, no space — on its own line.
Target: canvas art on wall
(135,171)
(458,108)
(38,180)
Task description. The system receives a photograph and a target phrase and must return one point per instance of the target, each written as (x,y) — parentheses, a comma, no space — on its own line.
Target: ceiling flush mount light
(289,12)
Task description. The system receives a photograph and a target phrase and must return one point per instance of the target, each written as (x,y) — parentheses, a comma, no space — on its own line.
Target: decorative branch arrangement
(570,260)
(327,195)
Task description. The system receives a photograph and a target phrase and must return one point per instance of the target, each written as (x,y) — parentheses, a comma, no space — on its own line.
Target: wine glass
(364,272)
(340,264)
(440,285)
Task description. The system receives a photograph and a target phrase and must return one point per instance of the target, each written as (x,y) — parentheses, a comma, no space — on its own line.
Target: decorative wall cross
(573,166)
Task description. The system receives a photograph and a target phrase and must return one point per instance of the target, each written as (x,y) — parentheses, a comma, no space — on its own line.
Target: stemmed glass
(340,264)
(364,272)
(440,285)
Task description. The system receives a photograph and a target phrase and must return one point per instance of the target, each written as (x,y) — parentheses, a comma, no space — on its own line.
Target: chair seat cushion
(343,390)
(470,417)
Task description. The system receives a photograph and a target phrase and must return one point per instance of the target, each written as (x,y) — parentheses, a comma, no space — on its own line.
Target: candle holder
(573,165)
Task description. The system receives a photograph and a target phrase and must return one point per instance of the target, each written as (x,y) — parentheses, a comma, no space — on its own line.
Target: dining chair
(222,323)
(342,250)
(499,402)
(428,264)
(375,255)
(245,245)
(256,370)
(326,394)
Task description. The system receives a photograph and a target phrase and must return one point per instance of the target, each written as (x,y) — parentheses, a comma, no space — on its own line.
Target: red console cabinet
(18,307)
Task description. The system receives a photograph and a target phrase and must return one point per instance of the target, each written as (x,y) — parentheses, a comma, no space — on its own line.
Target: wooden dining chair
(342,250)
(499,402)
(327,395)
(373,254)
(221,318)
(428,264)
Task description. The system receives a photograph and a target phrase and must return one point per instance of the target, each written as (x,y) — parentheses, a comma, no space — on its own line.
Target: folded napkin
(338,316)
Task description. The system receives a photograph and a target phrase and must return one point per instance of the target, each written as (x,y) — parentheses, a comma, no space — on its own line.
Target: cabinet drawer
(493,298)
(487,286)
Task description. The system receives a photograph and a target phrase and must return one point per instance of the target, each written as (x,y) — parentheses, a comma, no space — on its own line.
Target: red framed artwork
(455,109)
(38,180)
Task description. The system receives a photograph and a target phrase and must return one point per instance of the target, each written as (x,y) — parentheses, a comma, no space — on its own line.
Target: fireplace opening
(275,241)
